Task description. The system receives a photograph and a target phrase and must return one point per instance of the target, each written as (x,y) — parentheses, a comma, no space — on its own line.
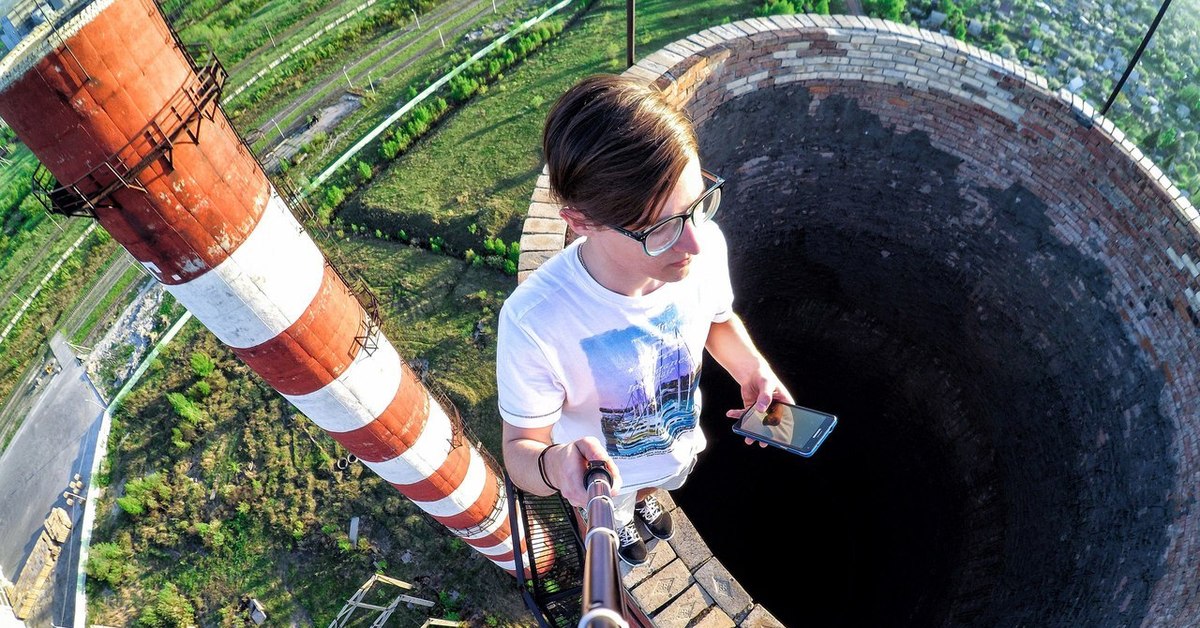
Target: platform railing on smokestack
(558,596)
(551,594)
(195,101)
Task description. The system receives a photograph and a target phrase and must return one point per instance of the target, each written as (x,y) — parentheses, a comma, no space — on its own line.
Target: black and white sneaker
(633,548)
(657,520)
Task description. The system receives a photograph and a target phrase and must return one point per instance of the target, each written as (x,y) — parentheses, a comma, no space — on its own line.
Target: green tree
(1168,138)
(170,609)
(956,21)
(886,9)
(1191,97)
(775,7)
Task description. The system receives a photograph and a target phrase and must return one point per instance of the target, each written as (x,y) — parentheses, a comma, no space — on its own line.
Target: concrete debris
(138,326)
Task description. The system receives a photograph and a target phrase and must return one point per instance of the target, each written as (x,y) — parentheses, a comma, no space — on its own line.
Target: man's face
(674,263)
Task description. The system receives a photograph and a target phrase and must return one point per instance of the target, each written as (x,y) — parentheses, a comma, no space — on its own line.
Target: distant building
(935,19)
(975,28)
(1075,85)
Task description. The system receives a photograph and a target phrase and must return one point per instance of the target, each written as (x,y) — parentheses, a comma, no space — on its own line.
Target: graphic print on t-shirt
(646,380)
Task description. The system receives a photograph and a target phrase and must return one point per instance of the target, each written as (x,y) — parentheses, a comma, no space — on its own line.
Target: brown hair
(616,149)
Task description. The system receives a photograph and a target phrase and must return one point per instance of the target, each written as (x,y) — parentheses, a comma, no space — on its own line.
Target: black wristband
(542,468)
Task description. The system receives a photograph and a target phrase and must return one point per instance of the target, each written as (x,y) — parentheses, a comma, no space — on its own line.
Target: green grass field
(20,166)
(492,145)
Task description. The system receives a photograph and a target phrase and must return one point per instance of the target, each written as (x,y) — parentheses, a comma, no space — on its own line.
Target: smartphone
(789,427)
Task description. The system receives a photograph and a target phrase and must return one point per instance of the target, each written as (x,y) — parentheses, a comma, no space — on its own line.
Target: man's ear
(577,221)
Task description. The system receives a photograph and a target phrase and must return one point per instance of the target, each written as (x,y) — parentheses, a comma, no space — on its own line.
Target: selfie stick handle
(602,601)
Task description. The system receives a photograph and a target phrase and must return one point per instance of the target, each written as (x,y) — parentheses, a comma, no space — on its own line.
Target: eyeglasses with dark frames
(661,236)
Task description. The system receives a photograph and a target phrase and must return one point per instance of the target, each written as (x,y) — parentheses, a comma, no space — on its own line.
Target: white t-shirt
(591,362)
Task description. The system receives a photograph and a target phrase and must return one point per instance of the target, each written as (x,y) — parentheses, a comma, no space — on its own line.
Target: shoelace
(650,511)
(628,534)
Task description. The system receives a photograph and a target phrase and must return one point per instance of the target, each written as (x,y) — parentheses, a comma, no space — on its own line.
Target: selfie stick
(602,602)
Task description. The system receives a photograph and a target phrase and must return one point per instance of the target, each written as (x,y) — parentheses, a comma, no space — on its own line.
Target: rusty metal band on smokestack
(117,111)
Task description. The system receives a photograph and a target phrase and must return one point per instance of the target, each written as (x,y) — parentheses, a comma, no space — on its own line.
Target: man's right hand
(566,465)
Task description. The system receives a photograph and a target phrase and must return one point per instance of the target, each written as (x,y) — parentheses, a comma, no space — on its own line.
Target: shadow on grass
(493,126)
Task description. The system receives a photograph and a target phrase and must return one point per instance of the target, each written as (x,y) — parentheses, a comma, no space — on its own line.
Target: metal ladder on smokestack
(582,584)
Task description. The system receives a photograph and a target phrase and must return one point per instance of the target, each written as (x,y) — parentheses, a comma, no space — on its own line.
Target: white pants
(624,502)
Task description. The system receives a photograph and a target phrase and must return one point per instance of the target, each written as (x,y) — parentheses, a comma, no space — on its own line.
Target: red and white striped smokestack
(109,103)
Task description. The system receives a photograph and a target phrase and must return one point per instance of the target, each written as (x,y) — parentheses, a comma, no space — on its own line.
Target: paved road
(55,442)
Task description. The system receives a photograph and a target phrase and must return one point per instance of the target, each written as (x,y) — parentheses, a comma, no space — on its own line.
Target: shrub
(108,563)
(210,534)
(462,88)
(887,9)
(144,494)
(788,7)
(202,364)
(776,7)
(131,505)
(200,390)
(178,441)
(389,149)
(170,609)
(334,196)
(185,408)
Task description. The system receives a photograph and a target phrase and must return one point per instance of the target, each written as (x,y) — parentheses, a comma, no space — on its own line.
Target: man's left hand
(759,389)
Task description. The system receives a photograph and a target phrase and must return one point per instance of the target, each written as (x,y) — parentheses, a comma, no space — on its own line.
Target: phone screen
(794,428)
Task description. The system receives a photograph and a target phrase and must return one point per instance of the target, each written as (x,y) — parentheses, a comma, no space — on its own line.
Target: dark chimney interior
(1001,458)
